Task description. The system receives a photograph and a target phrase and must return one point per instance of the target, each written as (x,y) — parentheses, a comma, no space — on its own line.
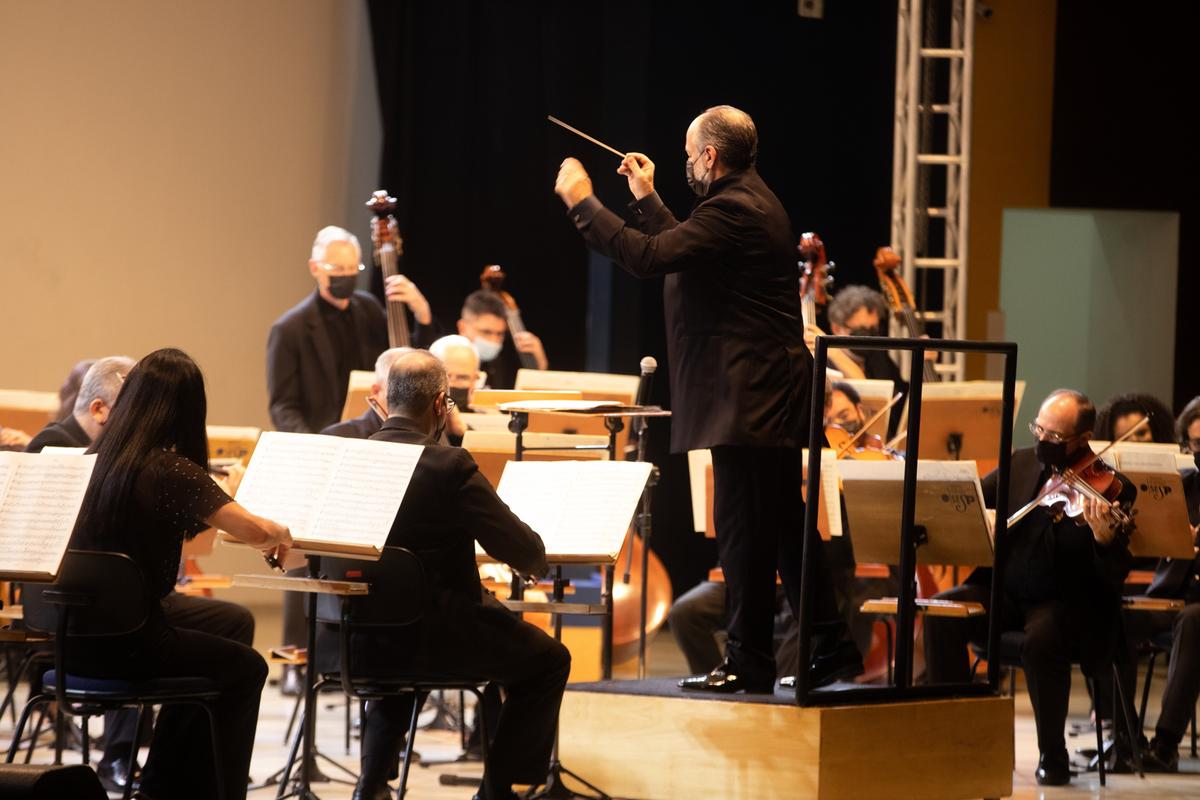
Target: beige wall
(163,168)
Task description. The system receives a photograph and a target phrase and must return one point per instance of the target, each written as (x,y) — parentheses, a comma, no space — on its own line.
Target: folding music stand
(961,420)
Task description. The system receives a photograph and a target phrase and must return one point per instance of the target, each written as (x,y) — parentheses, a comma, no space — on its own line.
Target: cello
(387,245)
(814,277)
(492,279)
(900,299)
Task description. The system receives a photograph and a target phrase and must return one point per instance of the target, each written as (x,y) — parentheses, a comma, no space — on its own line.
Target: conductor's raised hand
(572,184)
(639,170)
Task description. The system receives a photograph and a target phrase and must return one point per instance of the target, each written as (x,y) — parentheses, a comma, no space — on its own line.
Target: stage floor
(665,660)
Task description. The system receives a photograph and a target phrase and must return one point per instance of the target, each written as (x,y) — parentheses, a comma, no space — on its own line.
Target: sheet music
(578,507)
(327,488)
(563,405)
(40,495)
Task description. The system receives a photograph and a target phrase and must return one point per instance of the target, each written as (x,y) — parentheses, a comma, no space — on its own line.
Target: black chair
(1011,643)
(100,596)
(398,599)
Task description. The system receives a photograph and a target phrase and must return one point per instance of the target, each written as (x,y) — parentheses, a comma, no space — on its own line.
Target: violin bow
(845,448)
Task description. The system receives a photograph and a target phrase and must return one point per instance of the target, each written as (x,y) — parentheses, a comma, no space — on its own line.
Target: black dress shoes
(371,792)
(1161,757)
(1053,769)
(114,775)
(726,679)
(838,662)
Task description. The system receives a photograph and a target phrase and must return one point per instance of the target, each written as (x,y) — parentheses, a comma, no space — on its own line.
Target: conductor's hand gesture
(573,184)
(639,170)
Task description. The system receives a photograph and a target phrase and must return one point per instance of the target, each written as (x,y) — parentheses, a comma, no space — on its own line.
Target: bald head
(1067,415)
(414,383)
(730,132)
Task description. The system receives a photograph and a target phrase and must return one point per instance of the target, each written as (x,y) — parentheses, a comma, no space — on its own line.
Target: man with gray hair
(740,375)
(464,633)
(314,346)
(365,424)
(97,392)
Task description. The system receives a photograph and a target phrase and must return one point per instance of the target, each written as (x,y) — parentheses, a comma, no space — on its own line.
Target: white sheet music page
(40,496)
(365,492)
(288,477)
(580,508)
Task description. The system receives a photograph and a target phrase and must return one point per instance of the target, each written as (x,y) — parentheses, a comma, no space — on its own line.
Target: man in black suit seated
(464,633)
(368,422)
(97,392)
(1062,586)
(1177,578)
(740,374)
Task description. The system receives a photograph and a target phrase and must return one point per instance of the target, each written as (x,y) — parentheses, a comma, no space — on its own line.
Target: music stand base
(556,789)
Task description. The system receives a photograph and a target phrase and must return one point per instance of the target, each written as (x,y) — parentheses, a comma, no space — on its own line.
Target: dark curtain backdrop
(1124,81)
(465,88)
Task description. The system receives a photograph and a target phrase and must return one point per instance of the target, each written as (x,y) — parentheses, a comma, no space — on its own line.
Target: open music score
(1162,528)
(336,495)
(40,496)
(581,509)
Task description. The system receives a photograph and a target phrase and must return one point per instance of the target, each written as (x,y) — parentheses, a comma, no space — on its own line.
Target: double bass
(900,299)
(387,245)
(815,279)
(492,279)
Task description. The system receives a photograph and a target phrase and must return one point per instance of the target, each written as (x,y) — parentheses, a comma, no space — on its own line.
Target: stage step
(649,740)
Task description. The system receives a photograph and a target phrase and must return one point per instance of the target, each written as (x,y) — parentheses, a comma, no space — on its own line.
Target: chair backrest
(398,596)
(104,591)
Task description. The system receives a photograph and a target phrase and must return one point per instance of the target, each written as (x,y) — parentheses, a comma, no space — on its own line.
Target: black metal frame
(902,688)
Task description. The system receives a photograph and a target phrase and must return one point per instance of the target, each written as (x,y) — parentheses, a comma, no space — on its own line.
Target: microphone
(649,365)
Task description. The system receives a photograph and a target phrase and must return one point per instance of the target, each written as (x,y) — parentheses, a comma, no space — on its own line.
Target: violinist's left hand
(526,342)
(1104,528)
(572,184)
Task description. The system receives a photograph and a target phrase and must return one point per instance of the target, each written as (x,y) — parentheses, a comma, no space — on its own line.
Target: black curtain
(1124,79)
(465,87)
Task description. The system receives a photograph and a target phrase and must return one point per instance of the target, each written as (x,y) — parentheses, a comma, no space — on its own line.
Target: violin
(492,279)
(1087,478)
(814,277)
(863,446)
(388,246)
(900,298)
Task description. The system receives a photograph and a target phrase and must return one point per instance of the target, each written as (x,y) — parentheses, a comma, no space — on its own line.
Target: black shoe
(725,679)
(837,663)
(113,774)
(481,795)
(381,792)
(1161,757)
(1053,770)
(290,685)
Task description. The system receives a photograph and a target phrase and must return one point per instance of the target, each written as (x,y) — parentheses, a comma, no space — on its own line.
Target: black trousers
(1052,643)
(227,620)
(759,517)
(530,666)
(1183,672)
(699,613)
(180,764)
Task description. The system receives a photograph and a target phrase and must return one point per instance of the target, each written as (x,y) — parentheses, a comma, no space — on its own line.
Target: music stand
(1162,527)
(961,420)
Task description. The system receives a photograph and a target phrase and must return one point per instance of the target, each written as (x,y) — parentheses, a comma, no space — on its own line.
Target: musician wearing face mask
(1177,578)
(368,422)
(1062,587)
(313,347)
(1120,414)
(484,321)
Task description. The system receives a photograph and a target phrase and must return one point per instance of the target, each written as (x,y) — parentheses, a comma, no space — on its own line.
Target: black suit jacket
(361,427)
(449,506)
(740,372)
(66,432)
(303,383)
(1177,577)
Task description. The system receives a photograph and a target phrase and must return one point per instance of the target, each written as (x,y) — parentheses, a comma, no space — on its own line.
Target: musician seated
(1062,586)
(150,490)
(463,634)
(314,346)
(93,402)
(1122,412)
(368,422)
(484,320)
(1178,579)
(70,388)
(461,360)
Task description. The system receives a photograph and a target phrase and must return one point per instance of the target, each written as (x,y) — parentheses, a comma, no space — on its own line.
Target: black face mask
(852,426)
(461,398)
(1196,458)
(342,286)
(1052,454)
(869,330)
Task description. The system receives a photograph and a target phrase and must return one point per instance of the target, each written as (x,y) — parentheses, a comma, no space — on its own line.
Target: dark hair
(484,301)
(732,133)
(1162,424)
(845,388)
(414,381)
(70,388)
(853,297)
(162,406)
(1190,413)
(1085,410)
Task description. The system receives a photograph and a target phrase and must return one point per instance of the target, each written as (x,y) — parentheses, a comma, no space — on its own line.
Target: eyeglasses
(1052,436)
(1193,445)
(340,269)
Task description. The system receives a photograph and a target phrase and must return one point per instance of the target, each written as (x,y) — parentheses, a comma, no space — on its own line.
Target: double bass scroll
(387,246)
(492,279)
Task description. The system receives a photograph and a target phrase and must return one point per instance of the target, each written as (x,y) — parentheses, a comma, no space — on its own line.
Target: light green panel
(1089,297)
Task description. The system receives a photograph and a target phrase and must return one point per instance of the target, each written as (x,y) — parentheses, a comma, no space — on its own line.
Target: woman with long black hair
(150,490)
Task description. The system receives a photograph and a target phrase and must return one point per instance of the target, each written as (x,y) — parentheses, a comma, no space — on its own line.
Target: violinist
(1062,585)
(1124,411)
(1177,578)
